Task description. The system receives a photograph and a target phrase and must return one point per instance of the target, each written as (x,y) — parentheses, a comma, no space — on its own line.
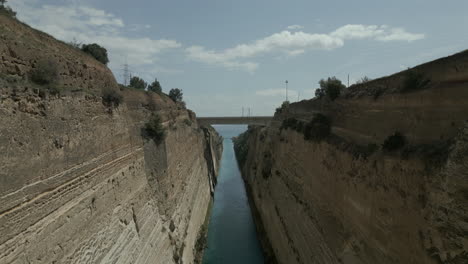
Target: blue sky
(226,55)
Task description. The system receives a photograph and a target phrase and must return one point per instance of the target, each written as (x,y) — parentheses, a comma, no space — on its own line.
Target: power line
(126,73)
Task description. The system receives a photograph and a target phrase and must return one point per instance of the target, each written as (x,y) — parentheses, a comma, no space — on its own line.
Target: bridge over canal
(235,120)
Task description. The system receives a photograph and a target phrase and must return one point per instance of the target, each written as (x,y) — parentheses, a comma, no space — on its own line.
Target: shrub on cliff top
(176,95)
(138,83)
(331,87)
(284,107)
(154,129)
(394,142)
(318,128)
(319,93)
(414,80)
(45,72)
(6,10)
(98,52)
(155,87)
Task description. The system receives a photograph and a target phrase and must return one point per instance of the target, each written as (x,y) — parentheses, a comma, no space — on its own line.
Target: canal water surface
(231,233)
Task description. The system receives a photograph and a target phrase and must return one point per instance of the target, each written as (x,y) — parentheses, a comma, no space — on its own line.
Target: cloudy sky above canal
(226,55)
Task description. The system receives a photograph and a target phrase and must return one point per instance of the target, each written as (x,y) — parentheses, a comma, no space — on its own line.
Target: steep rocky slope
(78,181)
(22,48)
(344,199)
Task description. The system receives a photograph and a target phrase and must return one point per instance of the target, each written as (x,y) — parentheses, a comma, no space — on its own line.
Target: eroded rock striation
(343,197)
(79,182)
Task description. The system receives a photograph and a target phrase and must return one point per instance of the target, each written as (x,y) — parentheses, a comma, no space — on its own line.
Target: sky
(227,55)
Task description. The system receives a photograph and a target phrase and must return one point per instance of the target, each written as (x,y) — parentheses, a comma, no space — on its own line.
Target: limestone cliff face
(79,183)
(334,201)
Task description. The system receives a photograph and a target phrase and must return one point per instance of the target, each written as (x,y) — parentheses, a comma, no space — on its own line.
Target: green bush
(434,154)
(318,128)
(111,98)
(4,9)
(176,94)
(138,83)
(394,142)
(414,80)
(154,129)
(201,239)
(284,107)
(45,72)
(330,87)
(98,52)
(187,122)
(319,92)
(155,87)
(292,123)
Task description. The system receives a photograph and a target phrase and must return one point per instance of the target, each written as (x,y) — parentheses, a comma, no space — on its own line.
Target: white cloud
(380,33)
(295,43)
(400,34)
(357,31)
(201,54)
(295,27)
(295,52)
(291,42)
(138,27)
(90,25)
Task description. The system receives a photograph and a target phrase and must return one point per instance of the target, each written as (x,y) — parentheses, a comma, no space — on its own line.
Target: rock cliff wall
(78,181)
(334,201)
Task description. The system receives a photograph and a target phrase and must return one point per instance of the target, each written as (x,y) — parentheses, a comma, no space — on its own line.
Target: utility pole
(242,111)
(286,90)
(126,73)
(348,80)
(298,96)
(249,112)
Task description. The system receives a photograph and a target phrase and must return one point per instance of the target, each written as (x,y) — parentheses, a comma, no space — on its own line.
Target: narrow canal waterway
(231,233)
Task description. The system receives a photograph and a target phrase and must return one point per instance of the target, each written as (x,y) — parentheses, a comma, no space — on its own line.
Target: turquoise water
(231,233)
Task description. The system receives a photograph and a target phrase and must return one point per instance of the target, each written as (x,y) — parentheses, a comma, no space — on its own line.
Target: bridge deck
(235,120)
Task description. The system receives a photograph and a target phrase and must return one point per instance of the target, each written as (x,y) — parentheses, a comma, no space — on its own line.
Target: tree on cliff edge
(4,9)
(331,87)
(98,52)
(155,87)
(176,94)
(137,83)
